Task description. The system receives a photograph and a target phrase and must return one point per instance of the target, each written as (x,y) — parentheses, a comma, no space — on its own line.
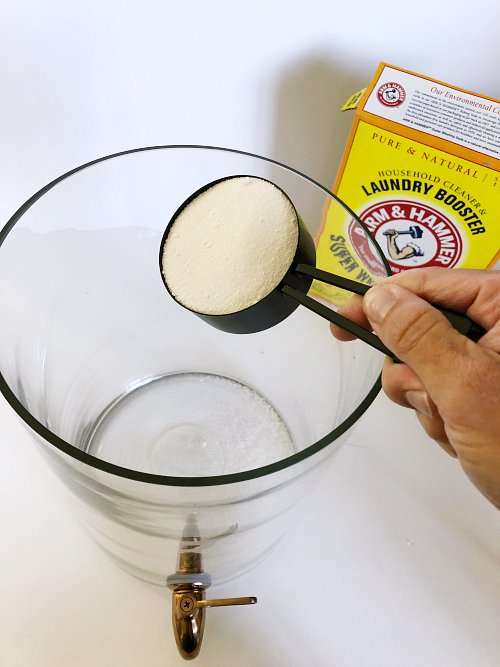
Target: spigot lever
(228,602)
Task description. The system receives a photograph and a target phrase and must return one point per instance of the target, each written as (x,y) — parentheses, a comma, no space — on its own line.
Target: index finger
(352,310)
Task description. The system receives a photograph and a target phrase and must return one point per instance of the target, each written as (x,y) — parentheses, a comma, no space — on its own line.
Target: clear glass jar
(100,364)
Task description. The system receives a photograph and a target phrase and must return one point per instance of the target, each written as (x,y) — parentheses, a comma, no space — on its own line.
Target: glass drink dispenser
(185,450)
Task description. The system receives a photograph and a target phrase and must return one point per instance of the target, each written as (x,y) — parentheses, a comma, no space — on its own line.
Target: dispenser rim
(163,480)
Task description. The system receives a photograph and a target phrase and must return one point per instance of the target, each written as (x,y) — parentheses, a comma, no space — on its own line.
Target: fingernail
(420,401)
(377,303)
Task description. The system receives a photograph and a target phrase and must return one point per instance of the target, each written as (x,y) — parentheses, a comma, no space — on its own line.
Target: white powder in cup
(231,246)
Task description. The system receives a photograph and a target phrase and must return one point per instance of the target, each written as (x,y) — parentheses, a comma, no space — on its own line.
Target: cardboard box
(422,171)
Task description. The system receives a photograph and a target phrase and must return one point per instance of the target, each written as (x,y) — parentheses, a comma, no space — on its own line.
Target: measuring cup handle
(342,322)
(462,322)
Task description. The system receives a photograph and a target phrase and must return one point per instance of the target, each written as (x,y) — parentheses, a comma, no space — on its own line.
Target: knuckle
(473,381)
(397,379)
(480,377)
(390,384)
(414,280)
(489,300)
(434,427)
(408,334)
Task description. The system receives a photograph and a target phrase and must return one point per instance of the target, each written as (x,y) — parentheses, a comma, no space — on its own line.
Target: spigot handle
(228,602)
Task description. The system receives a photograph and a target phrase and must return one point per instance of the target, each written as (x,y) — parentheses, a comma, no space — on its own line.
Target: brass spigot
(188,616)
(188,587)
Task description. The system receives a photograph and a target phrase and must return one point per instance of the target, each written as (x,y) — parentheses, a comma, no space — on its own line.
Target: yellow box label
(425,207)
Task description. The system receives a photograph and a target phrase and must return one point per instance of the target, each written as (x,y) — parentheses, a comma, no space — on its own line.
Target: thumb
(417,333)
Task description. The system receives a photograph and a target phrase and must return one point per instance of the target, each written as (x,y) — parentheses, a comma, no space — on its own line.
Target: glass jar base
(190,425)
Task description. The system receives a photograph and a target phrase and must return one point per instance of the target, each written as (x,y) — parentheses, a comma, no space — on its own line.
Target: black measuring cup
(293,288)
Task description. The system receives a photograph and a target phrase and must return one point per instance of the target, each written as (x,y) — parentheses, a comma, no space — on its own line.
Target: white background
(397,561)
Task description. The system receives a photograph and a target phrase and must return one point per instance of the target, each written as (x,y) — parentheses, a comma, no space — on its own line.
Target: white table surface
(395,563)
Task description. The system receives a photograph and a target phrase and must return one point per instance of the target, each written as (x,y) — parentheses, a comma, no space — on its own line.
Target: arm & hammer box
(422,171)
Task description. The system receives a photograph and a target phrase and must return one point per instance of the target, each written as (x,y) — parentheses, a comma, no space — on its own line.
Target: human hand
(391,233)
(452,382)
